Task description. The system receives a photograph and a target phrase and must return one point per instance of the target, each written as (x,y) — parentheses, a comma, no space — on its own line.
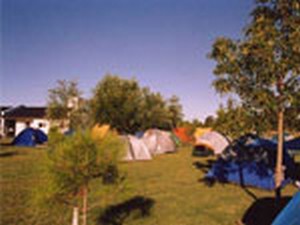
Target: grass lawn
(164,191)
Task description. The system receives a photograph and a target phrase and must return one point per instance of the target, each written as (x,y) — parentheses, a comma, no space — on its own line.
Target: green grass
(164,191)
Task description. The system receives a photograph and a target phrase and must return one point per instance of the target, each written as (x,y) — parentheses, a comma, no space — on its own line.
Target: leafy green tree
(59,99)
(72,163)
(209,121)
(117,102)
(129,108)
(66,105)
(154,111)
(175,111)
(236,120)
(263,68)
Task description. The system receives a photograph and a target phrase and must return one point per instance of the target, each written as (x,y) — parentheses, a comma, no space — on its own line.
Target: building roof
(25,112)
(4,107)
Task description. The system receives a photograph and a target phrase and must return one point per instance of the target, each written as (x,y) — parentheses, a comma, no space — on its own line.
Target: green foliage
(129,108)
(66,105)
(59,99)
(177,193)
(236,120)
(55,136)
(263,68)
(72,163)
(191,126)
(81,117)
(209,121)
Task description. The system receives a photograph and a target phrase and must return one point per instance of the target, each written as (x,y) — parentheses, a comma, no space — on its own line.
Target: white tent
(158,142)
(137,150)
(214,141)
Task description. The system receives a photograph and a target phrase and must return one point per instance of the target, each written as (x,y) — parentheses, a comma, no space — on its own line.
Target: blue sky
(162,43)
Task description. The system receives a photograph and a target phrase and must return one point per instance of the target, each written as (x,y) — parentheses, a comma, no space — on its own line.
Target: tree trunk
(75,216)
(84,205)
(279,175)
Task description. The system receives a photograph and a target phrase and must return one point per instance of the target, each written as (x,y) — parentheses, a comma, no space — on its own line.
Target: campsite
(160,112)
(168,187)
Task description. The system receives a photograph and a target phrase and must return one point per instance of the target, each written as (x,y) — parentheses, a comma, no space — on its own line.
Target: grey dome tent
(136,149)
(214,141)
(158,141)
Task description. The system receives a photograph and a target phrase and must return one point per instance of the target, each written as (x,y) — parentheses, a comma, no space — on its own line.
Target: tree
(236,120)
(60,98)
(209,121)
(263,68)
(129,108)
(154,111)
(117,102)
(65,105)
(72,163)
(175,111)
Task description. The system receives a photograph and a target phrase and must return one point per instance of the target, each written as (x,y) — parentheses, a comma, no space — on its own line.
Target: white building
(14,119)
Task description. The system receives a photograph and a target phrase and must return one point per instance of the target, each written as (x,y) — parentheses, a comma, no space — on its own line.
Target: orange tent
(99,131)
(182,133)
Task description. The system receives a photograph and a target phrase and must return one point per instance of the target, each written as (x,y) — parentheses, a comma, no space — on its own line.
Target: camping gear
(136,150)
(293,146)
(158,141)
(99,131)
(250,161)
(182,134)
(290,214)
(199,131)
(30,137)
(213,141)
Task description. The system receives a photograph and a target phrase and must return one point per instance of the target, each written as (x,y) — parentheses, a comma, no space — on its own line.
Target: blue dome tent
(250,161)
(30,137)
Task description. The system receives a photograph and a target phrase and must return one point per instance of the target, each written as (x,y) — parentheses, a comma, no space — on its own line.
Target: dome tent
(136,150)
(99,131)
(212,141)
(182,133)
(30,137)
(251,161)
(158,141)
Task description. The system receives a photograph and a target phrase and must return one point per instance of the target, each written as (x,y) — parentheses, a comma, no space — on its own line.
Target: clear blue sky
(162,43)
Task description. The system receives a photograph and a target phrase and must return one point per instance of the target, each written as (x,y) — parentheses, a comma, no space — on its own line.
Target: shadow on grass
(8,154)
(263,211)
(204,167)
(201,151)
(6,144)
(137,207)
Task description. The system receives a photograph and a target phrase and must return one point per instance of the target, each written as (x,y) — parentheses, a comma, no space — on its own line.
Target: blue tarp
(251,163)
(30,137)
(244,173)
(290,214)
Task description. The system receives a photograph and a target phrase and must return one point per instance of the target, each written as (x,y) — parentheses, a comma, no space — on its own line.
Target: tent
(99,131)
(182,134)
(213,141)
(199,131)
(290,214)
(136,149)
(158,141)
(30,137)
(250,161)
(293,144)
